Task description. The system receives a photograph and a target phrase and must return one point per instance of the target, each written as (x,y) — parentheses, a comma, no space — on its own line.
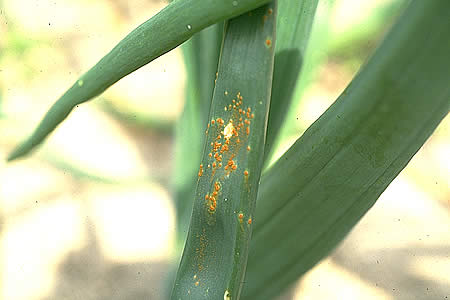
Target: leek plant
(239,219)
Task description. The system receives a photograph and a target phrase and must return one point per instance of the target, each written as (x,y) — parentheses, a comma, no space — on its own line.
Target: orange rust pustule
(212,202)
(218,157)
(217,186)
(231,134)
(231,164)
(249,221)
(268,42)
(216,146)
(200,171)
(224,148)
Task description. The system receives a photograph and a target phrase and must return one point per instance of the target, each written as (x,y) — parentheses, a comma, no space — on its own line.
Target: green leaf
(215,255)
(314,53)
(312,197)
(173,25)
(201,55)
(293,30)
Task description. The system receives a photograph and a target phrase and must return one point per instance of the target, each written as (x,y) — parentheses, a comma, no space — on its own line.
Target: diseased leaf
(201,55)
(215,255)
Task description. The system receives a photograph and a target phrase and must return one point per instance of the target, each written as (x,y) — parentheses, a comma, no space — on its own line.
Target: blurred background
(90,216)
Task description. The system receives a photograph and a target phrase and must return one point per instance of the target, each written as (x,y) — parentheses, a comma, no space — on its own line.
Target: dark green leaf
(293,30)
(312,197)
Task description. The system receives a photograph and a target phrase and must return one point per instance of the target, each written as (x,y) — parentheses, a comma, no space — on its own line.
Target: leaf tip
(16,153)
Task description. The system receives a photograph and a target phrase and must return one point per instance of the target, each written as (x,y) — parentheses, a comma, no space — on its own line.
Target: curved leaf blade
(336,171)
(173,25)
(293,30)
(201,55)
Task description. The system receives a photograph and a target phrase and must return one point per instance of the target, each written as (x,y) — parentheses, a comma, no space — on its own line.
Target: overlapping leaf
(173,25)
(215,255)
(317,191)
(201,55)
(293,30)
